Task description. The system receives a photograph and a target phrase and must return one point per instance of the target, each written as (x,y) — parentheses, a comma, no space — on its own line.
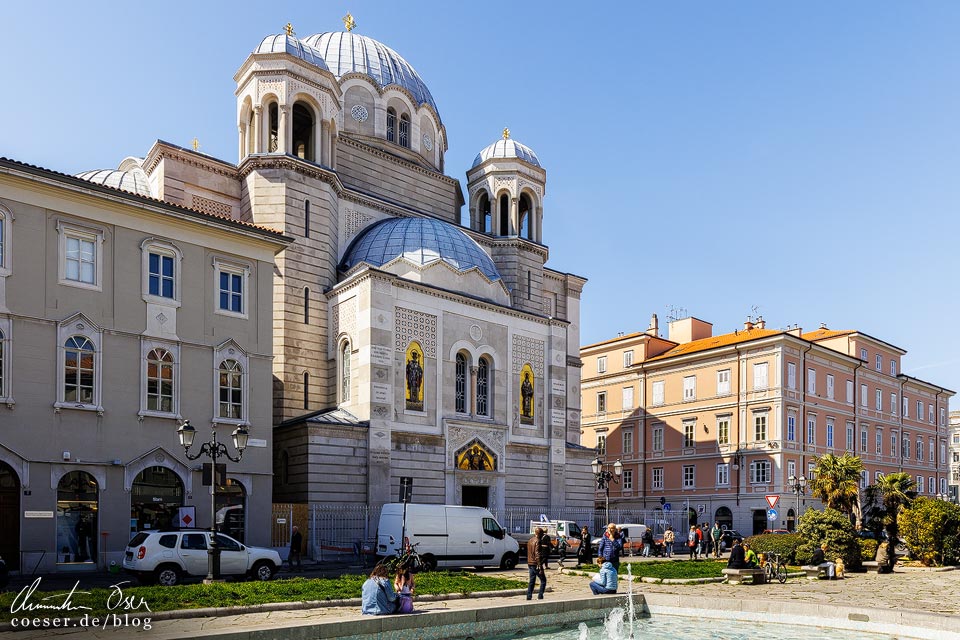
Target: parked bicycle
(774,567)
(407,557)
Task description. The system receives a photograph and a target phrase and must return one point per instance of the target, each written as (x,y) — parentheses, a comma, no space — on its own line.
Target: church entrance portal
(476,496)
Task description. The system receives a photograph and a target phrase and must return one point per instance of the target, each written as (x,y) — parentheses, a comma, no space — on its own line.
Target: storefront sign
(38,514)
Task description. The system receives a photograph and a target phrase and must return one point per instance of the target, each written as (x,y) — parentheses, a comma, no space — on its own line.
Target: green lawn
(195,596)
(669,569)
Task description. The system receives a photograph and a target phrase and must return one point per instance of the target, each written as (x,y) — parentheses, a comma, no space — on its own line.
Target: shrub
(868,548)
(931,528)
(783,543)
(832,527)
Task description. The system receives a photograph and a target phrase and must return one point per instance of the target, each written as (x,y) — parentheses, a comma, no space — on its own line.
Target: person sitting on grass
(378,596)
(750,557)
(606,580)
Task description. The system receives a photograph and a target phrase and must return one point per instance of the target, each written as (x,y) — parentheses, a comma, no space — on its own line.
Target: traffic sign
(666,506)
(773,500)
(772,515)
(701,508)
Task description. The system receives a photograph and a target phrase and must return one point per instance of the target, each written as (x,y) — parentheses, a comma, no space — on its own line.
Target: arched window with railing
(483,387)
(391,125)
(461,383)
(404,133)
(345,372)
(230,390)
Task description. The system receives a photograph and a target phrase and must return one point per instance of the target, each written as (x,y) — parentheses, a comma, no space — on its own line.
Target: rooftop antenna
(677,313)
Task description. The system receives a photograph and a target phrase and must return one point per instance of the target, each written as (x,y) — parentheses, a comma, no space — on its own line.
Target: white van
(447,536)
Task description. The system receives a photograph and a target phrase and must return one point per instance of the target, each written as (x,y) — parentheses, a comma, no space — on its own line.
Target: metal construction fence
(345,532)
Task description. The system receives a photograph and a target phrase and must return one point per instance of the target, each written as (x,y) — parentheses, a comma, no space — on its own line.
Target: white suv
(169,556)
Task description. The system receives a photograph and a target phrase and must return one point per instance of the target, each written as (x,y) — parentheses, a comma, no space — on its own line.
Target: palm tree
(836,482)
(897,492)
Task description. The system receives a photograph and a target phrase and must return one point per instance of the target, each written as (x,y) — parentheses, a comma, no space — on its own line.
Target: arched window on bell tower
(273,127)
(483,214)
(504,214)
(404,137)
(525,211)
(303,132)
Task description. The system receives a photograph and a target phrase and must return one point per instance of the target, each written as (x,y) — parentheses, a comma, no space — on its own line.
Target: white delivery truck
(447,536)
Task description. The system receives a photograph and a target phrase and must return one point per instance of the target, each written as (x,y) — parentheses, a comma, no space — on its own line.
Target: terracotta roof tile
(714,342)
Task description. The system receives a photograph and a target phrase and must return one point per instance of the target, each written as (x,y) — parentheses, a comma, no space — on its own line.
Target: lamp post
(213,450)
(604,478)
(738,465)
(798,486)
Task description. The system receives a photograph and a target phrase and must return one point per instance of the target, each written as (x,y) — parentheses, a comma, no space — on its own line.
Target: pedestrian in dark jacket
(611,546)
(737,556)
(584,553)
(296,548)
(537,562)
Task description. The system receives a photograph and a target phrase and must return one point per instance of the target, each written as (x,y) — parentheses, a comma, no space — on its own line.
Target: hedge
(868,548)
(783,543)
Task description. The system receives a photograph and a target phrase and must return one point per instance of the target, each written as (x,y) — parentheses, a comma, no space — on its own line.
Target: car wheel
(509,560)
(428,562)
(263,571)
(167,575)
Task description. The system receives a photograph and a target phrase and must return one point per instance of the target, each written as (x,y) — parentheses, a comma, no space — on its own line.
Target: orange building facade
(715,424)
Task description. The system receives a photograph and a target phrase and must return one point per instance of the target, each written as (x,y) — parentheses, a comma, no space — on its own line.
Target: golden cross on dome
(196,144)
(506,133)
(349,22)
(288,29)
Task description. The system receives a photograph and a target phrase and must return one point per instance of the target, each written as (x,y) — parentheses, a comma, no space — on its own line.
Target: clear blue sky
(800,158)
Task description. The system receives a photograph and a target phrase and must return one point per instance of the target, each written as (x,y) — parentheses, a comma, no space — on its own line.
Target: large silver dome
(421,241)
(507,148)
(282,43)
(346,52)
(128,177)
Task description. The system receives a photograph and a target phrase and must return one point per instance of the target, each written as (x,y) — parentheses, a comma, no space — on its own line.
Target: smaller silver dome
(421,241)
(132,180)
(507,148)
(282,43)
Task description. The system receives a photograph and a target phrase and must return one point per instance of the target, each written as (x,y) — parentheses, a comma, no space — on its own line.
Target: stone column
(242,129)
(283,132)
(514,217)
(332,163)
(258,128)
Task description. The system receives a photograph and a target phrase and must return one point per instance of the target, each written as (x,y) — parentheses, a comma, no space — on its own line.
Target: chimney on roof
(689,329)
(795,330)
(823,326)
(654,328)
(748,324)
(761,323)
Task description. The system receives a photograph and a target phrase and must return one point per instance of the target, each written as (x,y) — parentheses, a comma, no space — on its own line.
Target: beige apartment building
(121,316)
(954,485)
(714,424)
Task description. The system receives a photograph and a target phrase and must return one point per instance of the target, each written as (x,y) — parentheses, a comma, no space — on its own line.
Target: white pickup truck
(567,528)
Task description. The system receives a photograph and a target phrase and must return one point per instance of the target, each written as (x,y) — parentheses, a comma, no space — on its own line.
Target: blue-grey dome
(421,241)
(507,148)
(282,43)
(347,52)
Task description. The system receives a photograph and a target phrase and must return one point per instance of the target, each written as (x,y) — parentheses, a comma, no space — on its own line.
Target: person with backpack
(669,537)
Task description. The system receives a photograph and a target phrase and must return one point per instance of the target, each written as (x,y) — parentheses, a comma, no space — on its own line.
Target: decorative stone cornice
(289,163)
(335,94)
(352,142)
(521,243)
(161,150)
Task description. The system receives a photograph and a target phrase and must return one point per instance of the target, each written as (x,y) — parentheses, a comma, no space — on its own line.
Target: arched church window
(504,215)
(483,209)
(391,125)
(306,219)
(303,132)
(273,126)
(461,383)
(345,372)
(404,131)
(525,210)
(483,387)
(306,391)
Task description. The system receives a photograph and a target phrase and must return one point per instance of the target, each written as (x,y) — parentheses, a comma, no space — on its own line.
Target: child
(562,546)
(404,587)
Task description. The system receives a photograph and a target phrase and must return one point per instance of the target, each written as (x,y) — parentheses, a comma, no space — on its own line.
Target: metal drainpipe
(900,440)
(739,457)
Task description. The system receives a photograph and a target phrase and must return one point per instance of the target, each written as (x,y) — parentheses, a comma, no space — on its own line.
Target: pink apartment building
(714,424)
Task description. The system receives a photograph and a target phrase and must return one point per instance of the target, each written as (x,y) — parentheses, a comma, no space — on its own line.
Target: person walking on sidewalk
(715,534)
(296,548)
(537,554)
(584,552)
(669,537)
(692,543)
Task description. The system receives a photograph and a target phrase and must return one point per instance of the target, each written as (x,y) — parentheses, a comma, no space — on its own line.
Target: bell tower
(507,186)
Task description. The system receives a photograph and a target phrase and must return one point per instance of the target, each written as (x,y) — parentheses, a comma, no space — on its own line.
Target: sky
(797,161)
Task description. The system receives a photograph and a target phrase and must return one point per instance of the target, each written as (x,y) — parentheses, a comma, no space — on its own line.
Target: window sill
(8,401)
(89,286)
(146,413)
(167,302)
(58,406)
(230,314)
(231,422)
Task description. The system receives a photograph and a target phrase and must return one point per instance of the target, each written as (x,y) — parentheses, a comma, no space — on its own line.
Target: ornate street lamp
(798,486)
(604,478)
(213,450)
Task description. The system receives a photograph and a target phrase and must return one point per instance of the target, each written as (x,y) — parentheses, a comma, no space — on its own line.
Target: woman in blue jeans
(606,580)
